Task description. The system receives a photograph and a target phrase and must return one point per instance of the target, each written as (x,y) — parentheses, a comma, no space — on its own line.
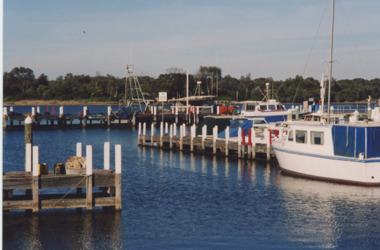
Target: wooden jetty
(256,146)
(33,180)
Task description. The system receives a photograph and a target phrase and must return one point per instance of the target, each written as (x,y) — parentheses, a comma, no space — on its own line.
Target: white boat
(269,109)
(328,148)
(243,126)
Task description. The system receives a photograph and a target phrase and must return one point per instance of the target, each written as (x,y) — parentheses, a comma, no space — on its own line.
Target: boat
(329,148)
(269,109)
(258,124)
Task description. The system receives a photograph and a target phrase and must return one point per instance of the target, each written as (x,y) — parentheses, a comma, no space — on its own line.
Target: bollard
(227,139)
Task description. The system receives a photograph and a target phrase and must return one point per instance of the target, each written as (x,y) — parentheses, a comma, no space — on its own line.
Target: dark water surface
(174,200)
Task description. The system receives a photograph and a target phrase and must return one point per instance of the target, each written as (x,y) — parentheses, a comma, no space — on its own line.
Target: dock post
(253,138)
(144,133)
(118,177)
(161,134)
(38,110)
(297,112)
(84,116)
(109,111)
(249,144)
(28,137)
(204,134)
(192,135)
(181,137)
(243,143)
(89,178)
(33,111)
(171,136)
(60,111)
(35,202)
(28,157)
(79,149)
(152,134)
(268,139)
(5,117)
(154,113)
(107,155)
(175,129)
(176,114)
(214,136)
(139,135)
(239,142)
(166,128)
(227,139)
(217,110)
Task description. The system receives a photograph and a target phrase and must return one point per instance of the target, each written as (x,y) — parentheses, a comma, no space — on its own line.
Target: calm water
(184,201)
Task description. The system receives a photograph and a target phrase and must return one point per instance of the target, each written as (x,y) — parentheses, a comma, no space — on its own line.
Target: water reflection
(63,230)
(324,211)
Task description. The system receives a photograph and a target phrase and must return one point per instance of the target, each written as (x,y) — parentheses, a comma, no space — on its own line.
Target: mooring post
(214,136)
(109,111)
(249,153)
(171,136)
(161,134)
(268,137)
(166,128)
(242,143)
(84,116)
(176,114)
(139,135)
(217,110)
(60,111)
(35,202)
(204,134)
(5,117)
(227,139)
(239,142)
(118,177)
(154,113)
(106,155)
(152,134)
(144,133)
(28,157)
(89,201)
(175,129)
(297,112)
(253,138)
(192,135)
(79,149)
(28,137)
(181,137)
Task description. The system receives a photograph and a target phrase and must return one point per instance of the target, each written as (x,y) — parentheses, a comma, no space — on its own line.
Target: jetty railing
(249,146)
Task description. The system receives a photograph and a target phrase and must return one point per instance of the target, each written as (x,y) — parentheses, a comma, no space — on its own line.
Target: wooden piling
(152,134)
(139,135)
(227,134)
(161,134)
(5,117)
(35,203)
(181,137)
(239,142)
(107,155)
(89,203)
(253,138)
(171,137)
(214,136)
(28,139)
(118,177)
(144,133)
(109,111)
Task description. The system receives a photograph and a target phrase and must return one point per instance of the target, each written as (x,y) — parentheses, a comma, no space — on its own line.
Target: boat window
(280,107)
(290,136)
(259,122)
(317,138)
(317,118)
(250,107)
(300,136)
(271,107)
(263,107)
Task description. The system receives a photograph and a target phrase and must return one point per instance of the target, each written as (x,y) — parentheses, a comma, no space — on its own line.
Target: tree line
(21,84)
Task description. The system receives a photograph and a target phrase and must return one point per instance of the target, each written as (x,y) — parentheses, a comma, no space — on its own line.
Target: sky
(260,38)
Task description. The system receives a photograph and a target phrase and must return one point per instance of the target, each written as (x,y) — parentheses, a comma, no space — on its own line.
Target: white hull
(337,169)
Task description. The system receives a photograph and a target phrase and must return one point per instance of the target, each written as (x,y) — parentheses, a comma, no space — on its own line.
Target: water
(174,200)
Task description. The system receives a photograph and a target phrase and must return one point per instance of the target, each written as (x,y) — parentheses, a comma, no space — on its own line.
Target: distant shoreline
(56,103)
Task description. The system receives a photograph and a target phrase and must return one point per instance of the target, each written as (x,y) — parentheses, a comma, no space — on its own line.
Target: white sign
(162,96)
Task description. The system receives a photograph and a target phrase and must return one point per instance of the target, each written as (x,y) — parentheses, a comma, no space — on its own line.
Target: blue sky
(264,38)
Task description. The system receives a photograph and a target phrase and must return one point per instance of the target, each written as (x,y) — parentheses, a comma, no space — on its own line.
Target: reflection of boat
(322,149)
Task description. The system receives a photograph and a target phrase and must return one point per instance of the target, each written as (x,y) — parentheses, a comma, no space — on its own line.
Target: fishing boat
(269,109)
(328,148)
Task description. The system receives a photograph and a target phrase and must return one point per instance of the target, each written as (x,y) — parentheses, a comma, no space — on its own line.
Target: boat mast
(331,59)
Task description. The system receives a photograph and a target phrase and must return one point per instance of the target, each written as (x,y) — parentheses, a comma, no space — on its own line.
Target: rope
(59,200)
